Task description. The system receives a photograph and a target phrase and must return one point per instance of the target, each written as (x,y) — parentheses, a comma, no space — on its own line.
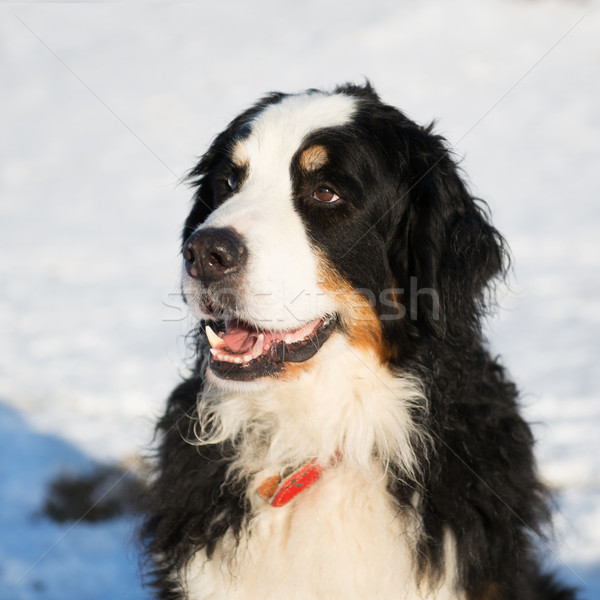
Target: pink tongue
(240,339)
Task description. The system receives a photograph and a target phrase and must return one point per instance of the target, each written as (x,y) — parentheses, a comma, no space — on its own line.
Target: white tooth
(247,358)
(218,355)
(237,360)
(213,339)
(257,349)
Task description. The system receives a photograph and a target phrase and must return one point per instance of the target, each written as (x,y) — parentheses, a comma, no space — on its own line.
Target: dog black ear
(450,251)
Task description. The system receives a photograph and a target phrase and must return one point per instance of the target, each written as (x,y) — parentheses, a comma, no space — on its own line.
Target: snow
(105,106)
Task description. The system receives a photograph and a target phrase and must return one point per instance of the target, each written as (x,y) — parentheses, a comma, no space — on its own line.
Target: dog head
(331,214)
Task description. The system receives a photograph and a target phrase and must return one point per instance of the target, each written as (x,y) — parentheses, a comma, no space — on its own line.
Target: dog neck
(345,403)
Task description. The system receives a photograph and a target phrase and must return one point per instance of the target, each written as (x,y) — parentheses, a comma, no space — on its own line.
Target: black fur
(191,506)
(407,219)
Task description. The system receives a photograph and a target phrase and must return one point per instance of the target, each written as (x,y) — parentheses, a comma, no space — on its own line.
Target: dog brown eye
(325,194)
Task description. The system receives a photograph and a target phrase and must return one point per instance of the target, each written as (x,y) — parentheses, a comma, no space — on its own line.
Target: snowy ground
(104,107)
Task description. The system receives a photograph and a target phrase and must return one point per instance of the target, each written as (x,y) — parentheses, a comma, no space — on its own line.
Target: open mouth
(242,352)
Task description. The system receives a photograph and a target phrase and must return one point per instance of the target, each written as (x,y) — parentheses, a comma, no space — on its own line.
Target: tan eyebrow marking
(313,158)
(239,154)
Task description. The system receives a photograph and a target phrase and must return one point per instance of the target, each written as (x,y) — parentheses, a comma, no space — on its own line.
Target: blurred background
(104,107)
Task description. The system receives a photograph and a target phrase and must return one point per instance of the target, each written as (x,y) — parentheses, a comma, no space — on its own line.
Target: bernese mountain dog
(345,432)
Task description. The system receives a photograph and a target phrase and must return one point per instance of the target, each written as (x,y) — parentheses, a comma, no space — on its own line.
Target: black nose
(211,254)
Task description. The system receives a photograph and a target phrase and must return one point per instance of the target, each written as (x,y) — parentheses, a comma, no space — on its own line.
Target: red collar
(299,481)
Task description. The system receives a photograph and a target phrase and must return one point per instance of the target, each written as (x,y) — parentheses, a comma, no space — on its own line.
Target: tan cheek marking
(313,158)
(357,315)
(293,371)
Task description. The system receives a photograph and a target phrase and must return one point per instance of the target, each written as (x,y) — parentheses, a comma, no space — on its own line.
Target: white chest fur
(340,539)
(343,537)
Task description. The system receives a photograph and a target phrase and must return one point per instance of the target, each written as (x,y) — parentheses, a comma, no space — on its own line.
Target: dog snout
(212,254)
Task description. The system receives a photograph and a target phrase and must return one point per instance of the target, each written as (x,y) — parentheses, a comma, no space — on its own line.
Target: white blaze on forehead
(281,287)
(279,130)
